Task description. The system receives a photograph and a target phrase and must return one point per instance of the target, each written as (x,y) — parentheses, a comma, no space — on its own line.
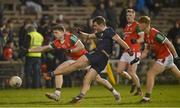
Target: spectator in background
(32,6)
(140,7)
(73,2)
(44,23)
(22,33)
(122,17)
(100,11)
(1,15)
(111,15)
(171,3)
(153,7)
(3,41)
(174,35)
(10,26)
(33,60)
(8,51)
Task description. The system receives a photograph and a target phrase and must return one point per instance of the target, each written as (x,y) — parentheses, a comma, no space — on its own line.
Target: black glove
(134,61)
(133,41)
(130,52)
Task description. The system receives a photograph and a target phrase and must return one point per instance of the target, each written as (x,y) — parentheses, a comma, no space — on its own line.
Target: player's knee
(120,72)
(132,73)
(98,79)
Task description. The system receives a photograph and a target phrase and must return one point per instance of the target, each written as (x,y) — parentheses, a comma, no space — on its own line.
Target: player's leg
(122,64)
(82,62)
(108,86)
(120,69)
(132,71)
(58,82)
(89,77)
(156,69)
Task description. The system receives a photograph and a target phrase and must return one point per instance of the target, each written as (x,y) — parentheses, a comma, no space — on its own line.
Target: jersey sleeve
(73,39)
(160,38)
(111,33)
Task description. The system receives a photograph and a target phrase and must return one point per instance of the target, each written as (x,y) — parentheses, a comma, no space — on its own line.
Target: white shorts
(167,61)
(127,58)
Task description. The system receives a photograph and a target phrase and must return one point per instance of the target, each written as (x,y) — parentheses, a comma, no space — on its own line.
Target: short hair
(99,20)
(144,19)
(31,28)
(130,11)
(58,27)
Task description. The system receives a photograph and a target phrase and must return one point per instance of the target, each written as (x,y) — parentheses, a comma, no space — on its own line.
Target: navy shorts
(98,60)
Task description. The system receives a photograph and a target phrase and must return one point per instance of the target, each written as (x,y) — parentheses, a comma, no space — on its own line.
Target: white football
(15,81)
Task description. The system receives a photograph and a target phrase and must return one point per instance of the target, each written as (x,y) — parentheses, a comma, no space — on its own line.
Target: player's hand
(77,29)
(133,41)
(130,52)
(135,60)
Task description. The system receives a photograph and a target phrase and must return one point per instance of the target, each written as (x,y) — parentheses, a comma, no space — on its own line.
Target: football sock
(148,95)
(81,95)
(114,91)
(58,91)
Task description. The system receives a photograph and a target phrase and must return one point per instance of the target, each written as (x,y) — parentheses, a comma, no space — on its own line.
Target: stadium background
(15,15)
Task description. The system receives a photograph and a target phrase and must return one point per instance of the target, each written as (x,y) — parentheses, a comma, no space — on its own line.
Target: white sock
(57,92)
(114,91)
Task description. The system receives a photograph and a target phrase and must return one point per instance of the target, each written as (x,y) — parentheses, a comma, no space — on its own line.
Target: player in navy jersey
(96,58)
(74,49)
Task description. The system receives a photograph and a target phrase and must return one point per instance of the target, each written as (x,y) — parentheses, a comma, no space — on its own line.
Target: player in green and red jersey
(74,49)
(164,52)
(133,36)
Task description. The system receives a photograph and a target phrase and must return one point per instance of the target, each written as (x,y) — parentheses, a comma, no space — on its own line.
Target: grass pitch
(98,96)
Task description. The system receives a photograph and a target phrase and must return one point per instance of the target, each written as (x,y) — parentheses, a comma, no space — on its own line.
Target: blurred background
(16,15)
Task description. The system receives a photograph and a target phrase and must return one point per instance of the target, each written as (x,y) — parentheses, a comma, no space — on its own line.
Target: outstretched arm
(87,35)
(120,41)
(164,40)
(40,49)
(171,48)
(79,47)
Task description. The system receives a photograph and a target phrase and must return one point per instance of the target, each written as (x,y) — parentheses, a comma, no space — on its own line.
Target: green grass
(163,96)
